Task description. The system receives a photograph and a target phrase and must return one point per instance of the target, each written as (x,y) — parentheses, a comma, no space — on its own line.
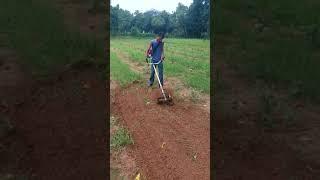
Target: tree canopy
(191,22)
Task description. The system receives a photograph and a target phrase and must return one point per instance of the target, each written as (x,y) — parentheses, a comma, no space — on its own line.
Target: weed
(146,101)
(113,121)
(120,139)
(195,96)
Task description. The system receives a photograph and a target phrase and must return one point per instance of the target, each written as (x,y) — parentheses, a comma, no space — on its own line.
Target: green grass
(115,174)
(36,31)
(121,137)
(121,71)
(284,53)
(186,59)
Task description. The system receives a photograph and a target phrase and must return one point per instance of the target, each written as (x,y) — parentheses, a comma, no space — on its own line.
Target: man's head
(160,36)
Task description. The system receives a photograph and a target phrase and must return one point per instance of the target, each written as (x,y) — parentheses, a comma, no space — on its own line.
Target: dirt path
(170,142)
(253,152)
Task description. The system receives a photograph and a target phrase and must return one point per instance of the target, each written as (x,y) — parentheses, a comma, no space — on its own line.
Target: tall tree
(114,27)
(181,19)
(197,18)
(186,21)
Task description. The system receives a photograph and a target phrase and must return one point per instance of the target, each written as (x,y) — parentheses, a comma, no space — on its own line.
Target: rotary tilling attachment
(166,98)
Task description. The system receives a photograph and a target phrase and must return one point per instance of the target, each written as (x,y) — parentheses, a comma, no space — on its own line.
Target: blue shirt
(156,55)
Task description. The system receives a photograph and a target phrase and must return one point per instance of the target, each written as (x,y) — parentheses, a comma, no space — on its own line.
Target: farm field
(166,142)
(186,59)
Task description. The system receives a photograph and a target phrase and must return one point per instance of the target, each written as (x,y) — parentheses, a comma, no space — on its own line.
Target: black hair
(161,35)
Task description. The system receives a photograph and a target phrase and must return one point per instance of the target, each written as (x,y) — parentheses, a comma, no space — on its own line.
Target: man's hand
(162,58)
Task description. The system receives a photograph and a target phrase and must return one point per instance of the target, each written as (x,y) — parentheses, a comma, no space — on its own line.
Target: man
(156,50)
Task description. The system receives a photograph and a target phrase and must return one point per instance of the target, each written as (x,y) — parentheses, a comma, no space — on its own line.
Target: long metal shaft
(165,98)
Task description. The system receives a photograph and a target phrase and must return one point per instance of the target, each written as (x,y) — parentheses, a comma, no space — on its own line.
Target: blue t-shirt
(156,51)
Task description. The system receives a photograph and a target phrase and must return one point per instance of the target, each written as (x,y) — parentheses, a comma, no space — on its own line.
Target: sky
(144,5)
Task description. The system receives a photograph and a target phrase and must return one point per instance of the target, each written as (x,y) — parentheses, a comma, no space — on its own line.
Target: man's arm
(148,50)
(162,52)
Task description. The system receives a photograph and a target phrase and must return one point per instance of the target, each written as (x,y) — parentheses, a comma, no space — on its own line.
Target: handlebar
(153,63)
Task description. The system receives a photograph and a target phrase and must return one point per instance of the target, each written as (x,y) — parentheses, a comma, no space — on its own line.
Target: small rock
(194,157)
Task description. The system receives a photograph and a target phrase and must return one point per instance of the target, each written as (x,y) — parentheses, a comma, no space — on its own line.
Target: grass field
(120,71)
(36,31)
(186,59)
(277,41)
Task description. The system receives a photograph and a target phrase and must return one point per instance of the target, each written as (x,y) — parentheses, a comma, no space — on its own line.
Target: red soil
(170,142)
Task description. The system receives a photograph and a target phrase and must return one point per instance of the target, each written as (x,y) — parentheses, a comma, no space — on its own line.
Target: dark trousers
(160,73)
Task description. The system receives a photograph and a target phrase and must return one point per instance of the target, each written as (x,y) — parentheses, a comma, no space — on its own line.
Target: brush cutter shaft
(155,69)
(156,72)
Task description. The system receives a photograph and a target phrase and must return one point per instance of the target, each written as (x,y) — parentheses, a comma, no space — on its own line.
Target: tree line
(188,22)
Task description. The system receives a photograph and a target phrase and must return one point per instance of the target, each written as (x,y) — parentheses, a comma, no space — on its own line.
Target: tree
(137,20)
(181,19)
(158,24)
(114,27)
(124,20)
(198,18)
(186,21)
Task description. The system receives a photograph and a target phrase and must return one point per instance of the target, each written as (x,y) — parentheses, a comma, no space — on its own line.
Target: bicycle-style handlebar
(153,63)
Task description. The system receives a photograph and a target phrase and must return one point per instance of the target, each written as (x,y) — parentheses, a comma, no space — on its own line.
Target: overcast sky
(144,5)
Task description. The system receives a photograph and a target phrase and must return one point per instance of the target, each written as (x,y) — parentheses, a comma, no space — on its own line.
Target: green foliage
(158,23)
(135,31)
(184,22)
(197,18)
(121,138)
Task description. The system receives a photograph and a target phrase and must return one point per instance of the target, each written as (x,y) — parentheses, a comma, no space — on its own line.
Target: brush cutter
(166,97)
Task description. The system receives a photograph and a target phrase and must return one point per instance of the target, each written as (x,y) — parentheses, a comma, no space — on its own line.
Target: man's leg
(151,79)
(160,69)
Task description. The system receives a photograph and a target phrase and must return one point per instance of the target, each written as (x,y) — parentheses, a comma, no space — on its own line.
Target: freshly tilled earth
(170,142)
